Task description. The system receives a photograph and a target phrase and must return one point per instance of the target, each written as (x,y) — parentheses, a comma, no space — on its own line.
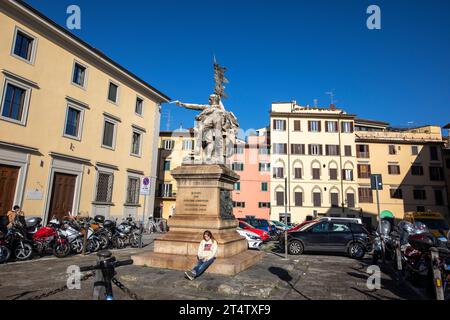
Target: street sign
(376,182)
(145,186)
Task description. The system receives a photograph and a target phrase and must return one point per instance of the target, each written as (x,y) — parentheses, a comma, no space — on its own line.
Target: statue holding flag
(216,128)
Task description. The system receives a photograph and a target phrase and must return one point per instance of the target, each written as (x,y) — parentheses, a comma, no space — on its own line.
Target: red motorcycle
(50,239)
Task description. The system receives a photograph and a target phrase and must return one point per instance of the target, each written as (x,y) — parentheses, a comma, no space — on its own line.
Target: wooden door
(63,191)
(8,183)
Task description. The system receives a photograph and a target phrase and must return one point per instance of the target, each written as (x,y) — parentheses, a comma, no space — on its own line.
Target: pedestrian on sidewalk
(206,256)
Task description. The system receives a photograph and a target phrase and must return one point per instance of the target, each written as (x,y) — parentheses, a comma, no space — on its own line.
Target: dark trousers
(202,266)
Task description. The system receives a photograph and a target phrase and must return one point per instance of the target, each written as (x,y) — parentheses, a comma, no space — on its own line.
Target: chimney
(332,106)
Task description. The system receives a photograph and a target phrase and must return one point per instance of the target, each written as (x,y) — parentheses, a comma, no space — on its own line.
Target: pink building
(251,161)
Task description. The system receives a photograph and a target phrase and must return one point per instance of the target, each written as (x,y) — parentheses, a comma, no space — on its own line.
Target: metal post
(379,220)
(437,276)
(143,221)
(285,219)
(86,230)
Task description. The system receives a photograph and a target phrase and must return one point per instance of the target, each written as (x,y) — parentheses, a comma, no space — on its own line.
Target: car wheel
(356,250)
(295,247)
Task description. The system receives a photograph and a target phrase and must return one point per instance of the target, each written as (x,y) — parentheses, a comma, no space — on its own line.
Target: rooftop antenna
(332,101)
(316,102)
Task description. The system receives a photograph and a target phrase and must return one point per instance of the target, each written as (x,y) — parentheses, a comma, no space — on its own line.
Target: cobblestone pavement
(306,277)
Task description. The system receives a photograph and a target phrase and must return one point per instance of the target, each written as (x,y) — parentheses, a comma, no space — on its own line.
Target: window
(264,167)
(237,186)
(239,149)
(79,75)
(362,151)
(263,150)
(166,190)
(24,46)
(434,153)
(364,171)
(136,143)
(436,174)
(347,127)
(298,149)
(348,174)
(264,186)
(109,132)
(396,193)
(297,173)
(392,150)
(394,169)
(188,145)
(298,199)
(348,151)
(279,148)
(238,204)
(166,165)
(278,173)
(365,195)
(331,126)
(414,150)
(139,108)
(333,174)
(334,197)
(420,209)
(317,199)
(168,144)
(314,126)
(134,185)
(104,187)
(320,227)
(72,127)
(316,173)
(297,125)
(350,200)
(280,198)
(15,103)
(339,227)
(279,125)
(332,150)
(419,194)
(263,204)
(315,149)
(113,92)
(438,197)
(237,166)
(417,170)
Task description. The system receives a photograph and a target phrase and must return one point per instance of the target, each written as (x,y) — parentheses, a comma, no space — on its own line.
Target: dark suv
(330,236)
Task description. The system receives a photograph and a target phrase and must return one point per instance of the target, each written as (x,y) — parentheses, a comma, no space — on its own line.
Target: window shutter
(320,149)
(320,126)
(352,127)
(326,126)
(309,126)
(309,149)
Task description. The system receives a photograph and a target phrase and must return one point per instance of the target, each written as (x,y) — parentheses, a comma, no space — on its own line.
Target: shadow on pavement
(286,277)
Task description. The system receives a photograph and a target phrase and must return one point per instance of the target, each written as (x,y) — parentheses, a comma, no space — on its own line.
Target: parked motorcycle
(132,231)
(51,239)
(74,236)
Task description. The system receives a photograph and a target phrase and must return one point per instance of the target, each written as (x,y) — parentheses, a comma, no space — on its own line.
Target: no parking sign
(145,186)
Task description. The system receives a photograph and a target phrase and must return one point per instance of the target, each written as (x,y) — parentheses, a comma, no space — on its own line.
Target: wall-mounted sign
(34,195)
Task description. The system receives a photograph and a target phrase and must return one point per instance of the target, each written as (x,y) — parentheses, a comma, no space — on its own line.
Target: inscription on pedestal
(197,202)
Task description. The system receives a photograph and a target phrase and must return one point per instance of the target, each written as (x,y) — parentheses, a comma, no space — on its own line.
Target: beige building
(411,164)
(174,146)
(326,157)
(77,130)
(313,153)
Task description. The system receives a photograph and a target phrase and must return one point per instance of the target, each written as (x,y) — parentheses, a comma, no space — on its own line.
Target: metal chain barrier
(127,291)
(62,289)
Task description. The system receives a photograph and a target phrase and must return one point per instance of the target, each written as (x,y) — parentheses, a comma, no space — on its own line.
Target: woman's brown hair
(207,232)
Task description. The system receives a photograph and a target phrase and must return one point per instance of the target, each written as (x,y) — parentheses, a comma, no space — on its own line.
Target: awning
(387,214)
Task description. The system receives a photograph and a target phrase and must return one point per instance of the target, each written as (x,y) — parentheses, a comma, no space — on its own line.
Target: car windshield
(434,224)
(307,226)
(259,223)
(244,224)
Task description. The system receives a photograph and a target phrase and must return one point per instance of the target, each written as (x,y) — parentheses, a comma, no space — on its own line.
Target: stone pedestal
(203,203)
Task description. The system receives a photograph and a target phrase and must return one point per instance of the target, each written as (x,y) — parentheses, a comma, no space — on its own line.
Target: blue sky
(279,51)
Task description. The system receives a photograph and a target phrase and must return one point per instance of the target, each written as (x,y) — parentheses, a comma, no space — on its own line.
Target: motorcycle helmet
(99,219)
(4,221)
(420,227)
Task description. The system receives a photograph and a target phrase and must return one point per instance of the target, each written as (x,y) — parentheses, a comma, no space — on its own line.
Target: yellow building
(411,164)
(77,130)
(174,146)
(313,153)
(326,157)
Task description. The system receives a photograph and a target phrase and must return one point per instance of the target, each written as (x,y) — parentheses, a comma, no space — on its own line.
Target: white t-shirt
(207,249)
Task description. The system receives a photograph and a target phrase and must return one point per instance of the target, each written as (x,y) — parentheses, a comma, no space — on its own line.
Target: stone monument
(204,196)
